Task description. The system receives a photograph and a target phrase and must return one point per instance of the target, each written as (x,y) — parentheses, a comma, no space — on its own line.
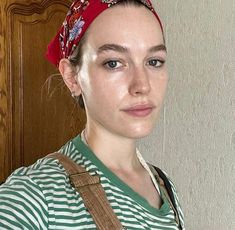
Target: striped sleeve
(22,205)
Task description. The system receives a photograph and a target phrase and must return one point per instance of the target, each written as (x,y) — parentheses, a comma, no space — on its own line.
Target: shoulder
(26,195)
(44,169)
(32,196)
(22,199)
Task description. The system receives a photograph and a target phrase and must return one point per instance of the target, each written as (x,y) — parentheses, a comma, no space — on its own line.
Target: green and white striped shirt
(41,197)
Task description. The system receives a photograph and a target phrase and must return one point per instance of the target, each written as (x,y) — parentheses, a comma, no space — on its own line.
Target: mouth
(139,110)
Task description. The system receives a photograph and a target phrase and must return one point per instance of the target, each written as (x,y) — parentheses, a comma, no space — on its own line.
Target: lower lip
(139,112)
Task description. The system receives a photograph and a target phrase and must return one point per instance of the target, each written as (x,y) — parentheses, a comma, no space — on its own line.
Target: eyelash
(159,64)
(107,64)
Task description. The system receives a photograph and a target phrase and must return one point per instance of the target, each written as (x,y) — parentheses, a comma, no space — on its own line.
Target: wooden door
(37,113)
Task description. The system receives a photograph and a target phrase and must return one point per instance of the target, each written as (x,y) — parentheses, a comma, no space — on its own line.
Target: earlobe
(69,74)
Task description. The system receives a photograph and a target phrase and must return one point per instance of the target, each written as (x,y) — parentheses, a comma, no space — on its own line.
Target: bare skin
(123,80)
(140,181)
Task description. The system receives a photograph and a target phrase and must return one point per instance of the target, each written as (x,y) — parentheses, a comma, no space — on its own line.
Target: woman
(111,55)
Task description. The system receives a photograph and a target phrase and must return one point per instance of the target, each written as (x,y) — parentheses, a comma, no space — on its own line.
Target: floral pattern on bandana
(72,26)
(74,22)
(78,19)
(113,2)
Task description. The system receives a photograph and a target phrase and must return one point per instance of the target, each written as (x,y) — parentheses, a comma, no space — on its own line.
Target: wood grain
(33,120)
(3,95)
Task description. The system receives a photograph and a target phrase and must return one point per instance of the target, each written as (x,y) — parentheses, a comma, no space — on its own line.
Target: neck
(116,152)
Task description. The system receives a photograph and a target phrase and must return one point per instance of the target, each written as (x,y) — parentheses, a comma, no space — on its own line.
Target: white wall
(195,138)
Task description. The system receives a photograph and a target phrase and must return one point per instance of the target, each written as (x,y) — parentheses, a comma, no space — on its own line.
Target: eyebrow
(113,47)
(157,48)
(123,49)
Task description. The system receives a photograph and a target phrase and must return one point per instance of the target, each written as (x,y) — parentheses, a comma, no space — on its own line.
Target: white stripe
(35,218)
(13,227)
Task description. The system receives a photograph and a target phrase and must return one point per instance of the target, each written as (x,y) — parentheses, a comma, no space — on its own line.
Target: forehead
(126,25)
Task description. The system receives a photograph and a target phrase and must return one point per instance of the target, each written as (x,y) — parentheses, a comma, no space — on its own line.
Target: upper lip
(139,107)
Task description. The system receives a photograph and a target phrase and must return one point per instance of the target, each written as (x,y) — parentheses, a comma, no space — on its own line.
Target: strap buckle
(83,179)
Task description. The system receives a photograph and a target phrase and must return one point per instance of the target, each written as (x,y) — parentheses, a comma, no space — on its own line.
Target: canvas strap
(94,197)
(92,193)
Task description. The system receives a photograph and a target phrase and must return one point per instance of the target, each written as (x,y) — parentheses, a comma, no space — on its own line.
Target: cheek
(108,93)
(160,86)
(104,88)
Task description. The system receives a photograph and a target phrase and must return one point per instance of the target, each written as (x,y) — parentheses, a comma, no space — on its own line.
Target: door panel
(41,114)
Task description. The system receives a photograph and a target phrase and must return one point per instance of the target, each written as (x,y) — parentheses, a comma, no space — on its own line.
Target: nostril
(140,88)
(139,83)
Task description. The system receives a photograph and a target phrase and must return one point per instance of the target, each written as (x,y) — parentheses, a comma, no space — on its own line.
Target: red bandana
(81,14)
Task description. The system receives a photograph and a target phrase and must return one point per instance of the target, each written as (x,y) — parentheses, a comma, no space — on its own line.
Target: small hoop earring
(75,97)
(73,94)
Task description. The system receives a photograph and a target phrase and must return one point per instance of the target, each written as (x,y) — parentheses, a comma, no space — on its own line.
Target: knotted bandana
(79,17)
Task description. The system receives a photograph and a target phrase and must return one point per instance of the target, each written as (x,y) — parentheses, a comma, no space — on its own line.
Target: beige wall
(195,138)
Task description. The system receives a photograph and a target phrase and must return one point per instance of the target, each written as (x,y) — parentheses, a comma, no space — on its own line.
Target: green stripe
(11,225)
(22,206)
(19,222)
(116,180)
(45,181)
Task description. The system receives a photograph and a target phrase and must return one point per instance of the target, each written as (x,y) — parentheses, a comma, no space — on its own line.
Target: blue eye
(156,62)
(112,64)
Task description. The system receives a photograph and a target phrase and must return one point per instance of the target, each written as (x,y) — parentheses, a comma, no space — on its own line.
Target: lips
(139,110)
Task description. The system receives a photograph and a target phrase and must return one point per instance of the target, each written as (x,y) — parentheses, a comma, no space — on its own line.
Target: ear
(69,75)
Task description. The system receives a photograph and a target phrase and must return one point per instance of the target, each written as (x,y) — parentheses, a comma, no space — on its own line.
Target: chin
(140,132)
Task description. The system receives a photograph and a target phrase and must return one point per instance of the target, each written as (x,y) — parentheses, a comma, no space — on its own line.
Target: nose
(139,84)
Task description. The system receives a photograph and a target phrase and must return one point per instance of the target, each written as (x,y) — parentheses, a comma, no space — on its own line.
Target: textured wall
(195,138)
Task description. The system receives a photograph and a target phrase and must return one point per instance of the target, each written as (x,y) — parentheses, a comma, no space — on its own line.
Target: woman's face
(123,77)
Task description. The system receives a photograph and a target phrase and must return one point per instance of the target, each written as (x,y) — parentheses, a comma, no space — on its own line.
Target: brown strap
(163,187)
(92,193)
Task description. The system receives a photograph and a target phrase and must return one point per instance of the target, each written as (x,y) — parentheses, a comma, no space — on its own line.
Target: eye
(156,63)
(112,64)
